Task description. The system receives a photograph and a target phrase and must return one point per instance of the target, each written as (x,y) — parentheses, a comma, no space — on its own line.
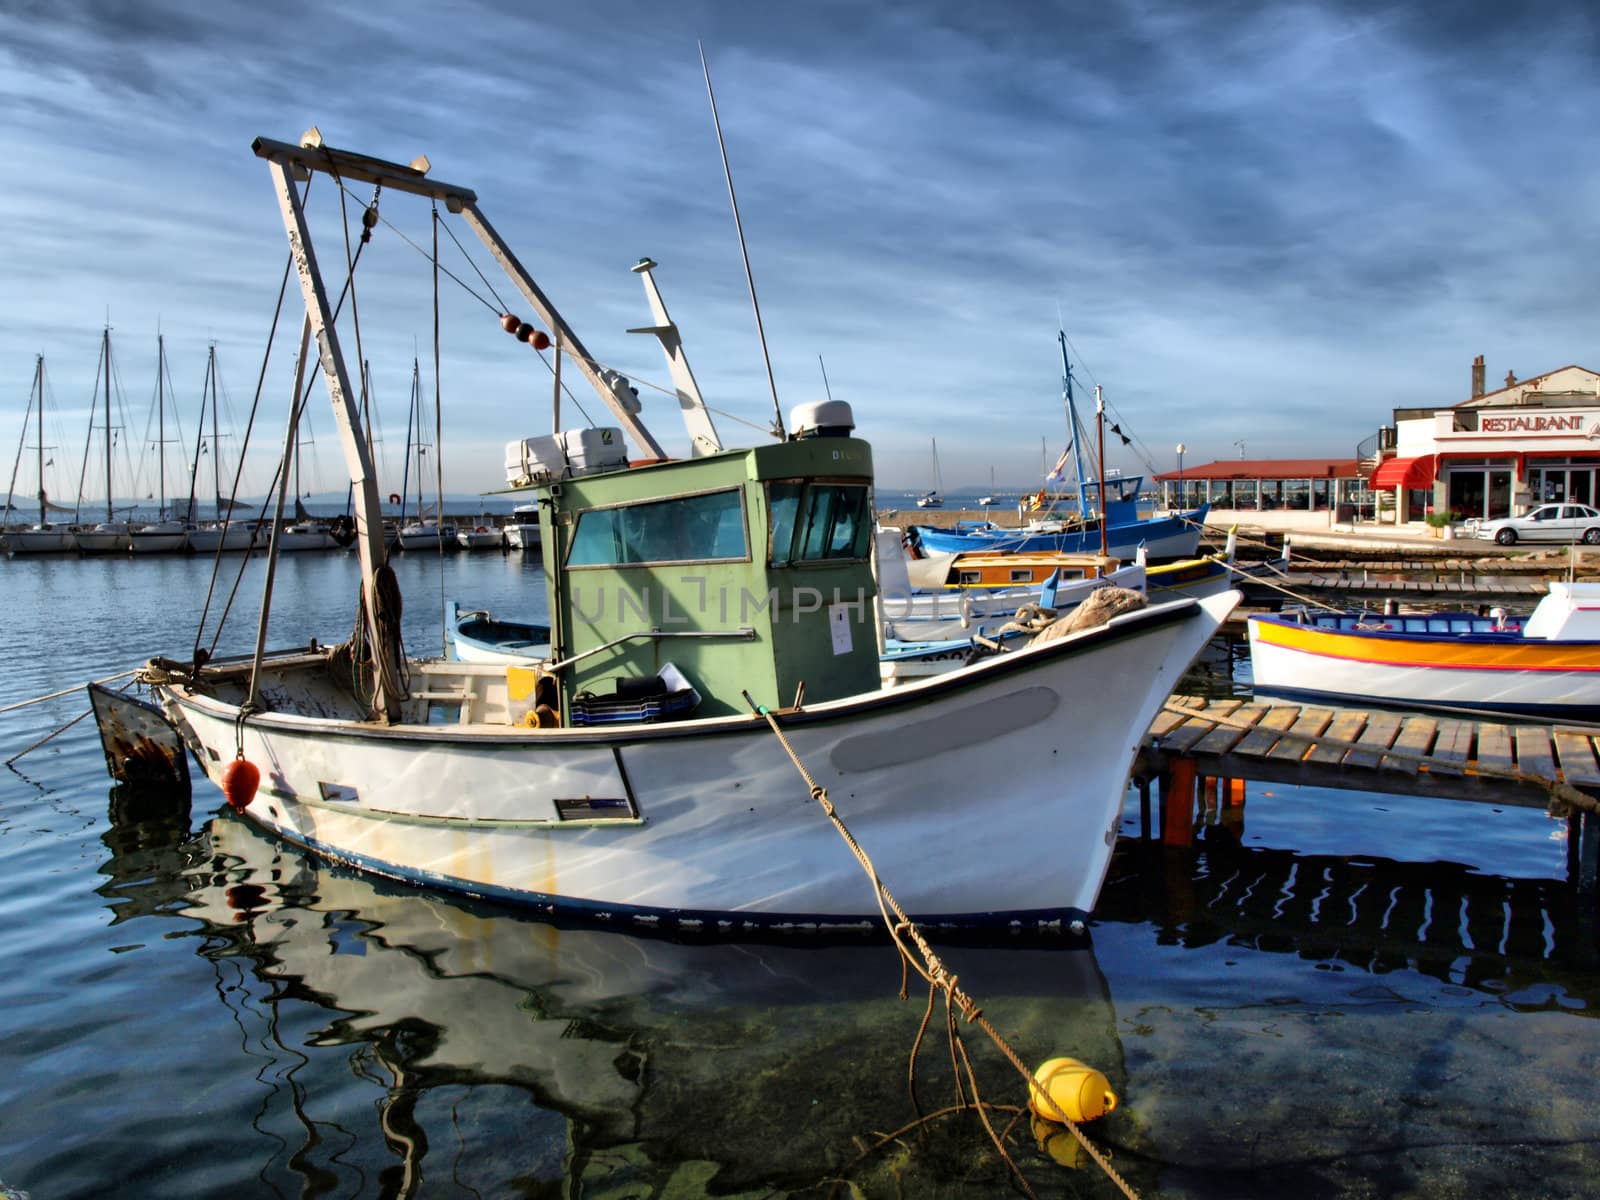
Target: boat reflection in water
(1317,1022)
(497,1053)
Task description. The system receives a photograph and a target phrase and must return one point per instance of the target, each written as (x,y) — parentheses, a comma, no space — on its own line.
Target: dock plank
(1494,748)
(1224,738)
(1534,755)
(1451,747)
(1341,733)
(1309,725)
(1378,736)
(1268,730)
(1414,741)
(1182,740)
(1166,721)
(1575,749)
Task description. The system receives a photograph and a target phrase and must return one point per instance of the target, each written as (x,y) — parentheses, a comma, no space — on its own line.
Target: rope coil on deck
(940,979)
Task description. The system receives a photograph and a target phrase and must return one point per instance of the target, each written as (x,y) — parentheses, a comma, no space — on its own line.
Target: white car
(1547,523)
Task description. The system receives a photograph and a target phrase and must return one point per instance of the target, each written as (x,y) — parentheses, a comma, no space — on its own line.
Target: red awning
(1403,473)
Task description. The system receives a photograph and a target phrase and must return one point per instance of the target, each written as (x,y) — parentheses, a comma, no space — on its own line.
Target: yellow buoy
(1081,1092)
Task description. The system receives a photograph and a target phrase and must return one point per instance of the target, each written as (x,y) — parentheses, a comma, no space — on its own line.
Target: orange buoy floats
(240,778)
(523,332)
(1079,1091)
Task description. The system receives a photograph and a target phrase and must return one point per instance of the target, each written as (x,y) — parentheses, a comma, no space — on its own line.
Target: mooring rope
(67,691)
(938,976)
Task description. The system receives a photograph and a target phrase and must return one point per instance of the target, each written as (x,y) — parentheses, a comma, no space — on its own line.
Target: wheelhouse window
(709,527)
(818,522)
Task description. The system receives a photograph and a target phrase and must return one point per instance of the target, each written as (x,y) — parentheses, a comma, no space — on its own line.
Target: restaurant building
(1335,486)
(1495,454)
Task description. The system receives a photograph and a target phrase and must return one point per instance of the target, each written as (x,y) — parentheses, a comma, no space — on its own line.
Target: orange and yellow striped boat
(1546,665)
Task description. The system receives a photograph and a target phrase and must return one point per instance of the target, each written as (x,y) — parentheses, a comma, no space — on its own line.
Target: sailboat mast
(1100,429)
(216,463)
(22,442)
(109,514)
(416,400)
(38,378)
(1072,424)
(199,445)
(161,421)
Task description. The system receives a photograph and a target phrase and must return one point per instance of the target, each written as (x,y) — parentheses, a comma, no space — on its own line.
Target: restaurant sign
(1577,422)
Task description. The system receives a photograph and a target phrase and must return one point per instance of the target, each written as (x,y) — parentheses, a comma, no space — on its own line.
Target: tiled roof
(1269,468)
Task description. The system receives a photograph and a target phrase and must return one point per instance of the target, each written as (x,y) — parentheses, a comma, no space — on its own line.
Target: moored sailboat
(111,535)
(167,534)
(43,537)
(634,776)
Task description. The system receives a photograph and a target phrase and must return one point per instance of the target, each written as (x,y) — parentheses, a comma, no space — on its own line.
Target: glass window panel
(783,502)
(819,522)
(682,529)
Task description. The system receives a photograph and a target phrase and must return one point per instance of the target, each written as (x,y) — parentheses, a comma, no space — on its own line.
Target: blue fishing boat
(1114,501)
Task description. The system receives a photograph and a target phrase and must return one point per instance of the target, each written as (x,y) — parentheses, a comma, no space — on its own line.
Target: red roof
(1269,468)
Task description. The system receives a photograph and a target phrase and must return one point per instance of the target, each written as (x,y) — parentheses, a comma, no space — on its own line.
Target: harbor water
(1330,994)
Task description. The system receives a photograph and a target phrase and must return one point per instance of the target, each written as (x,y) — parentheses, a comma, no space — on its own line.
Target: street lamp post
(1183,499)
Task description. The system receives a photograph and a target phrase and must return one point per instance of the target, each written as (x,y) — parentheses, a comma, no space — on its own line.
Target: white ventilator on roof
(703,437)
(821,418)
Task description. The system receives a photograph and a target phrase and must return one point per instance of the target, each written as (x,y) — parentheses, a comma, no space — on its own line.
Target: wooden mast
(387,689)
(348,166)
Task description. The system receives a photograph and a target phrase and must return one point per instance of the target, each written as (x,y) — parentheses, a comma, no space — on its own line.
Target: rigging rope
(931,968)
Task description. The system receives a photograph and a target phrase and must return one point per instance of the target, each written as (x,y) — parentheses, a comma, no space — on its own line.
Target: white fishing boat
(698,606)
(43,537)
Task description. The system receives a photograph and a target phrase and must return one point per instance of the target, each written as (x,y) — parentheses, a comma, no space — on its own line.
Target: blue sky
(1258,223)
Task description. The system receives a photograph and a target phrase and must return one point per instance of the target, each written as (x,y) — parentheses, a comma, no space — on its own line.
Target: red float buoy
(509,322)
(239,782)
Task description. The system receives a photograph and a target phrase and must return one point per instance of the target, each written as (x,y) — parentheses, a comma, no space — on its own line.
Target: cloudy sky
(1265,224)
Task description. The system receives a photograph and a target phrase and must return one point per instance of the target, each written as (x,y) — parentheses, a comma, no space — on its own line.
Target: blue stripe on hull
(634,918)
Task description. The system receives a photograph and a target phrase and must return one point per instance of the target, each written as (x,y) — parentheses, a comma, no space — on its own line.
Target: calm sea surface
(1349,994)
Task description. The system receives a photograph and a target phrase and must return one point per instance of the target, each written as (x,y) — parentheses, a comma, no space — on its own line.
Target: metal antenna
(777,410)
(825,386)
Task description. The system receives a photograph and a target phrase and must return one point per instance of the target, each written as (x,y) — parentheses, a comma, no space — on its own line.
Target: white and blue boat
(1115,501)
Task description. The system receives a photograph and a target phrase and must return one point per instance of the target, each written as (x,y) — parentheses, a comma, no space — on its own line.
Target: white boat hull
(1287,671)
(295,540)
(522,537)
(234,538)
(158,543)
(40,541)
(991,794)
(104,540)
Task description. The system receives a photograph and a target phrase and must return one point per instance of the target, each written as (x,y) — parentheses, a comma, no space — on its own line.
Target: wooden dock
(1324,746)
(1231,742)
